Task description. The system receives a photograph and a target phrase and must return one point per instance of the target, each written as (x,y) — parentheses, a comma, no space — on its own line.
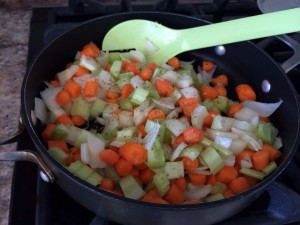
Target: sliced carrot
(190,164)
(197,179)
(133,152)
(220,80)
(246,153)
(227,193)
(90,89)
(78,120)
(140,129)
(210,117)
(46,134)
(227,174)
(73,155)
(192,135)
(152,66)
(208,92)
(177,141)
(55,83)
(155,114)
(164,87)
(274,153)
(81,71)
(146,176)
(265,119)
(234,109)
(116,112)
(63,98)
(207,65)
(251,180)
(175,195)
(221,90)
(107,184)
(187,101)
(73,88)
(61,144)
(146,73)
(153,196)
(188,109)
(108,67)
(260,160)
(110,157)
(141,166)
(132,67)
(245,92)
(64,119)
(127,89)
(112,94)
(212,179)
(181,183)
(239,185)
(174,62)
(112,101)
(90,50)
(123,167)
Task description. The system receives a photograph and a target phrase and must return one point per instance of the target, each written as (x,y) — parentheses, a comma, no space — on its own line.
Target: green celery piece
(189,69)
(60,132)
(81,108)
(208,103)
(161,183)
(192,151)
(58,154)
(271,167)
(126,134)
(113,56)
(218,187)
(75,166)
(229,104)
(214,197)
(266,132)
(108,135)
(116,68)
(94,179)
(97,107)
(82,137)
(156,156)
(252,173)
(168,150)
(131,187)
(111,173)
(125,104)
(212,159)
(150,124)
(174,169)
(139,95)
(222,103)
(84,172)
(153,93)
(158,72)
(149,186)
(220,149)
(124,78)
(167,136)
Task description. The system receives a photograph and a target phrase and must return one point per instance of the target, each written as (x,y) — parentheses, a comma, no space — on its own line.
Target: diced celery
(126,134)
(189,69)
(125,104)
(192,151)
(221,102)
(110,134)
(156,157)
(212,159)
(97,107)
(60,132)
(167,136)
(168,150)
(124,79)
(271,167)
(208,103)
(131,188)
(58,154)
(158,72)
(214,197)
(116,68)
(73,135)
(149,125)
(149,186)
(111,173)
(218,187)
(161,183)
(75,166)
(82,137)
(113,56)
(252,173)
(161,133)
(94,179)
(84,172)
(81,108)
(266,132)
(174,169)
(221,150)
(153,93)
(139,95)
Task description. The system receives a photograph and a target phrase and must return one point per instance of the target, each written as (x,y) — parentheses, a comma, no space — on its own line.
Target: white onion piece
(204,76)
(198,116)
(175,126)
(254,121)
(165,102)
(126,119)
(40,110)
(176,94)
(223,141)
(171,76)
(111,123)
(184,63)
(254,144)
(174,113)
(211,134)
(230,161)
(245,114)
(136,81)
(277,143)
(96,145)
(140,113)
(67,74)
(117,143)
(103,58)
(262,109)
(48,95)
(166,66)
(177,151)
(198,193)
(105,80)
(139,56)
(242,125)
(241,132)
(85,153)
(88,63)
(151,136)
(246,162)
(190,92)
(100,120)
(184,81)
(237,146)
(150,46)
(81,80)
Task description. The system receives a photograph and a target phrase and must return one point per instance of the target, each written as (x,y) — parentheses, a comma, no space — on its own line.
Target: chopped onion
(211,134)
(230,161)
(254,144)
(48,95)
(81,80)
(136,81)
(111,123)
(223,141)
(184,63)
(126,119)
(166,66)
(85,153)
(117,143)
(165,102)
(245,114)
(88,63)
(174,113)
(204,77)
(190,92)
(184,81)
(246,162)
(177,151)
(242,125)
(67,74)
(198,116)
(40,110)
(237,146)
(103,58)
(140,113)
(197,193)
(175,126)
(106,81)
(277,143)
(96,145)
(151,136)
(139,56)
(171,76)
(262,109)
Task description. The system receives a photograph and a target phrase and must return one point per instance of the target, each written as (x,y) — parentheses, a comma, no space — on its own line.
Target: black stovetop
(35,202)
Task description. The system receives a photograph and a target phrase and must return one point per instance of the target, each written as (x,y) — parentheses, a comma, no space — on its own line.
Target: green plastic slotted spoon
(132,34)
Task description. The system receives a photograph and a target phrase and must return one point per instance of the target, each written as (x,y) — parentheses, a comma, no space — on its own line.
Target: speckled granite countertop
(14,33)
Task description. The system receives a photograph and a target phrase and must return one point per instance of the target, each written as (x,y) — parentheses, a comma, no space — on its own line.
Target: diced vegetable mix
(164,134)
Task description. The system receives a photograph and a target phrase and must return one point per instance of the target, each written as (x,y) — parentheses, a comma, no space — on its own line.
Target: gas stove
(35,202)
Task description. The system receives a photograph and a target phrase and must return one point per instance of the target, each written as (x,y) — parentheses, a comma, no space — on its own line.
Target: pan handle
(25,155)
(292,62)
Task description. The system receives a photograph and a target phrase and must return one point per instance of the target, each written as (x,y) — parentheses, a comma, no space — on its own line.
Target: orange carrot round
(90,89)
(245,92)
(187,101)
(234,109)
(90,50)
(110,157)
(63,98)
(164,87)
(146,176)
(175,195)
(260,160)
(133,152)
(64,119)
(73,88)
(197,179)
(123,167)
(78,120)
(107,184)
(81,71)
(274,153)
(227,174)
(181,183)
(221,90)
(220,80)
(174,62)
(146,73)
(239,185)
(192,135)
(155,114)
(188,109)
(207,65)
(208,92)
(127,89)
(190,164)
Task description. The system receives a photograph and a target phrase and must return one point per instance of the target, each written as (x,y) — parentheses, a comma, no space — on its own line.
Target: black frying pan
(243,63)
